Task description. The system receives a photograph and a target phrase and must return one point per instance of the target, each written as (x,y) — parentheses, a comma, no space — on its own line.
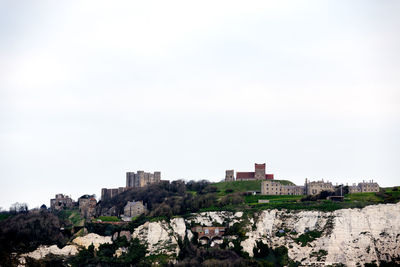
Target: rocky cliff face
(349,236)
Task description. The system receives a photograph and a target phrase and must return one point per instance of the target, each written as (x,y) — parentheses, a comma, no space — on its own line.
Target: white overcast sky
(92,89)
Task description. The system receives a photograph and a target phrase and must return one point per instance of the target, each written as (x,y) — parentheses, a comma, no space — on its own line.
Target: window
(206,231)
(216,231)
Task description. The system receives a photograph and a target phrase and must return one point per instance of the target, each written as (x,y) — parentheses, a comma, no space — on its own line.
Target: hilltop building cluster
(269,187)
(133,180)
(258,174)
(86,204)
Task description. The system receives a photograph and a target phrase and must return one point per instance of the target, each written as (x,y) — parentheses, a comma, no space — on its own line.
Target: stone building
(134,208)
(316,187)
(87,206)
(269,187)
(61,201)
(258,174)
(365,186)
(141,178)
(209,234)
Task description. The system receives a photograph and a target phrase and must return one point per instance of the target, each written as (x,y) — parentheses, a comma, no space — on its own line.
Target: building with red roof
(258,174)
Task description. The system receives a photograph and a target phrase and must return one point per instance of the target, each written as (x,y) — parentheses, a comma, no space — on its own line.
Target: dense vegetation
(165,199)
(26,231)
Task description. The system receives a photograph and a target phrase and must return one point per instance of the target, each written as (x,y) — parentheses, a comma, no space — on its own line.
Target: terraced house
(271,187)
(365,186)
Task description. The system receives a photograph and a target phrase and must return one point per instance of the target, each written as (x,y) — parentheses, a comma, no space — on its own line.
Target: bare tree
(19,208)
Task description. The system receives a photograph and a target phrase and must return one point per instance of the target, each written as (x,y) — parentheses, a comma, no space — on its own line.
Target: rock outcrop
(95,239)
(43,251)
(348,236)
(160,237)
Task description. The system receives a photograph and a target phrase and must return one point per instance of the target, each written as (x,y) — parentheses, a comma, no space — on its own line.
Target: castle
(133,180)
(141,178)
(258,174)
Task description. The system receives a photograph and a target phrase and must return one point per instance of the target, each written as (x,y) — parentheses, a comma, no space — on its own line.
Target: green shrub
(261,250)
(308,237)
(321,253)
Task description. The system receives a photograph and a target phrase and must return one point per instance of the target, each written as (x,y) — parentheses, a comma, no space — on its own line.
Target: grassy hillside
(72,215)
(243,186)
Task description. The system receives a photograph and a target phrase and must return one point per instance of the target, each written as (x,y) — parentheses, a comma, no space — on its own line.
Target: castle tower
(103,193)
(157,177)
(140,180)
(229,176)
(259,171)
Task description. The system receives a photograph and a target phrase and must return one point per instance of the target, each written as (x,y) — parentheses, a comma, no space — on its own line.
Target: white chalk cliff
(348,236)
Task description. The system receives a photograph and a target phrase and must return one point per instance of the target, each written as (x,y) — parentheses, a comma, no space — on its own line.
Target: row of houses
(270,187)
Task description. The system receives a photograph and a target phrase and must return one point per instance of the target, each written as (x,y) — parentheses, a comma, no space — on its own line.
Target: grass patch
(363,197)
(242,186)
(273,199)
(72,215)
(109,218)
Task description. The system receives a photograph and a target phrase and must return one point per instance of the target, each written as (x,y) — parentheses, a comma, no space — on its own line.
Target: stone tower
(259,171)
(140,179)
(229,176)
(157,177)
